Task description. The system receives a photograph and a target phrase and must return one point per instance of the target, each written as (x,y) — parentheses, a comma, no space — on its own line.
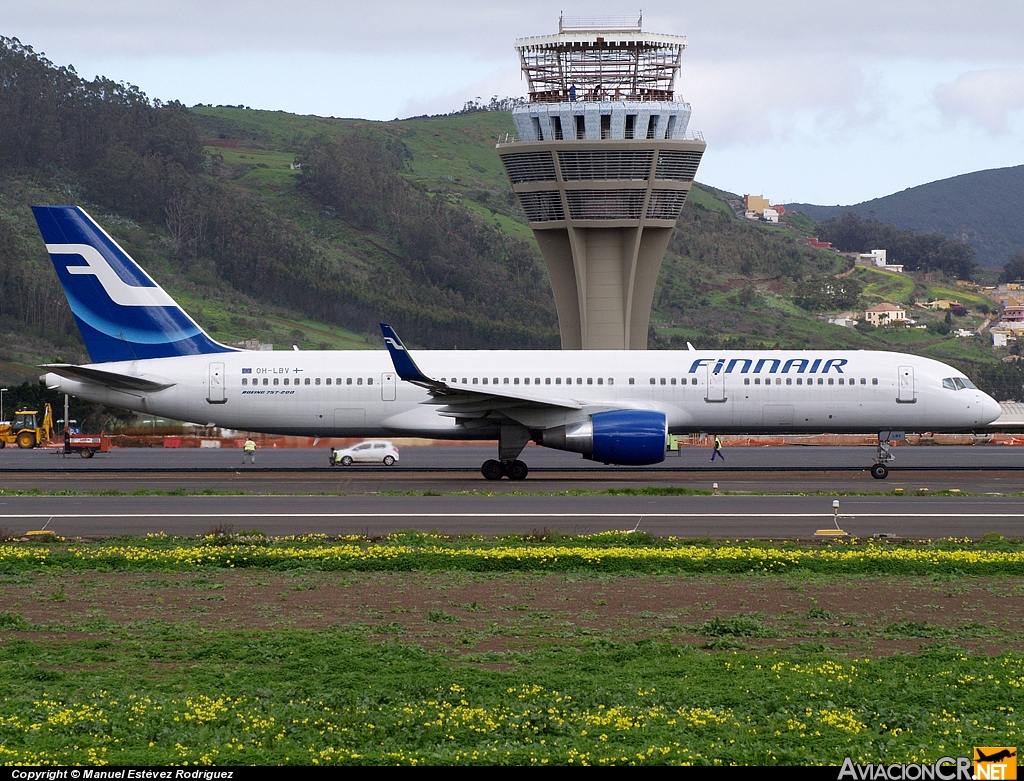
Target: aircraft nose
(990,408)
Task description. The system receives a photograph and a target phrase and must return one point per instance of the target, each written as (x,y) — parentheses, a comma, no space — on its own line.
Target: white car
(374,451)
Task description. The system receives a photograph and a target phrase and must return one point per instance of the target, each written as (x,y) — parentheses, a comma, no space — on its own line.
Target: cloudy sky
(823,101)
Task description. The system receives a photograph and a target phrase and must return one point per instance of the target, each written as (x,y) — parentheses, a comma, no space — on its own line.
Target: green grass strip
(611,553)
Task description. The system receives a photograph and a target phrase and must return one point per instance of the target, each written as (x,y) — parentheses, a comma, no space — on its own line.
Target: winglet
(405,366)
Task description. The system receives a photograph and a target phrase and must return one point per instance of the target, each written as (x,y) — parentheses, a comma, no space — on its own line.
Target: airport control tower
(602,164)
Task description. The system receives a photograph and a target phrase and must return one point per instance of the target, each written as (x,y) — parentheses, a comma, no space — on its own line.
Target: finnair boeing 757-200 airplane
(613,407)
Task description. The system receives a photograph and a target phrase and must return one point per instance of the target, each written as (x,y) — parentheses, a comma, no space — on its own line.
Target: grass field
(416,649)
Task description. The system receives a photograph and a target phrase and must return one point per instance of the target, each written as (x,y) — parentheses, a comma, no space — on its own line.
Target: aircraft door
(215,389)
(906,393)
(715,388)
(388,386)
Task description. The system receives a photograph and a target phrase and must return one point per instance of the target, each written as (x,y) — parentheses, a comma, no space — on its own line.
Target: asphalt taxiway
(293,491)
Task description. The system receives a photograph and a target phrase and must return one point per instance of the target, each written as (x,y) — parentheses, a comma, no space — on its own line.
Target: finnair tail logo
(394,343)
(119,291)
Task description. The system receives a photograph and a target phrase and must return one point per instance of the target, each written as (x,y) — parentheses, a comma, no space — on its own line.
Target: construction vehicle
(26,430)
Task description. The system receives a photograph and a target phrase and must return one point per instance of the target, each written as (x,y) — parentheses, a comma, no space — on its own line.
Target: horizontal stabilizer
(125,382)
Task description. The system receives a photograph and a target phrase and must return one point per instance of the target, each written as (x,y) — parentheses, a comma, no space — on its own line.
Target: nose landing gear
(885,439)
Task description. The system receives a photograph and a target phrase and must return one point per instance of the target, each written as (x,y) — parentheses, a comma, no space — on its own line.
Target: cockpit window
(958,383)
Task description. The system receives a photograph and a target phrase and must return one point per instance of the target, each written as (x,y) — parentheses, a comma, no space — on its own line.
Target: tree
(1013,271)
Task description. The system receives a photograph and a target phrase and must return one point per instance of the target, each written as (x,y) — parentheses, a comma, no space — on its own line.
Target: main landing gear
(885,439)
(512,439)
(495,470)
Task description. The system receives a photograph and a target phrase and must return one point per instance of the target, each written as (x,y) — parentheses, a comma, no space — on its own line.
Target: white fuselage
(357,394)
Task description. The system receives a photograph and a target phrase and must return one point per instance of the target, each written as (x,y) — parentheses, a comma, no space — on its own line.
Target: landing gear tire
(879,471)
(516,470)
(492,470)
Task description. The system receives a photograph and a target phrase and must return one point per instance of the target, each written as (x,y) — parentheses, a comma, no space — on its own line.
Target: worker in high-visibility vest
(249,452)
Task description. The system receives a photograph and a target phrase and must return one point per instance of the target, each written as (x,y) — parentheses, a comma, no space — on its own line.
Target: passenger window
(653,381)
(799,380)
(307,381)
(286,381)
(579,380)
(505,381)
(526,381)
(789,381)
(757,381)
(611,381)
(359,380)
(863,381)
(266,381)
(831,381)
(348,381)
(245,381)
(328,381)
(558,380)
(275,381)
(821,381)
(874,381)
(590,380)
(568,380)
(464,381)
(475,382)
(485,381)
(672,381)
(778,381)
(369,380)
(515,380)
(632,381)
(547,380)
(600,380)
(317,381)
(693,381)
(746,381)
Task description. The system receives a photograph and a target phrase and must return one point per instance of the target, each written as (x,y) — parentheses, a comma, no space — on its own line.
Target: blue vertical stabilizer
(121,312)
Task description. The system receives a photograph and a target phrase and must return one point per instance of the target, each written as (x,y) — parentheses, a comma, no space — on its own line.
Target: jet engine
(630,437)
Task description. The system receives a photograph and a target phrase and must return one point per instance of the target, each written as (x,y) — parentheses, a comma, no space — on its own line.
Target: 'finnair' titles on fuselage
(618,407)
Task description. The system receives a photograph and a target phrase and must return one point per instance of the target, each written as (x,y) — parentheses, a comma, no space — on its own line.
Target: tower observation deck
(602,164)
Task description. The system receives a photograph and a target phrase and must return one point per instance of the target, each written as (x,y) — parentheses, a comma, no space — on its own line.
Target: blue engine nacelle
(630,437)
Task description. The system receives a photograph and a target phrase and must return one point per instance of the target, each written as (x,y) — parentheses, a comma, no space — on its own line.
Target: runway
(775,517)
(295,492)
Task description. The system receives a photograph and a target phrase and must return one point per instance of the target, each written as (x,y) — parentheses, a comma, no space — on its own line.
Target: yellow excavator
(26,430)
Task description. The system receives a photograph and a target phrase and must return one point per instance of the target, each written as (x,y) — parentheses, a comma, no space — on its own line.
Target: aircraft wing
(114,380)
(462,400)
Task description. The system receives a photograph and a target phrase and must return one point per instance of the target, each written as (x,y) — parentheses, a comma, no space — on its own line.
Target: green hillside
(979,207)
(310,231)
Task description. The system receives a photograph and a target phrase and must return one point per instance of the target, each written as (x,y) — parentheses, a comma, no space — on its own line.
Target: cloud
(985,97)
(760,101)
